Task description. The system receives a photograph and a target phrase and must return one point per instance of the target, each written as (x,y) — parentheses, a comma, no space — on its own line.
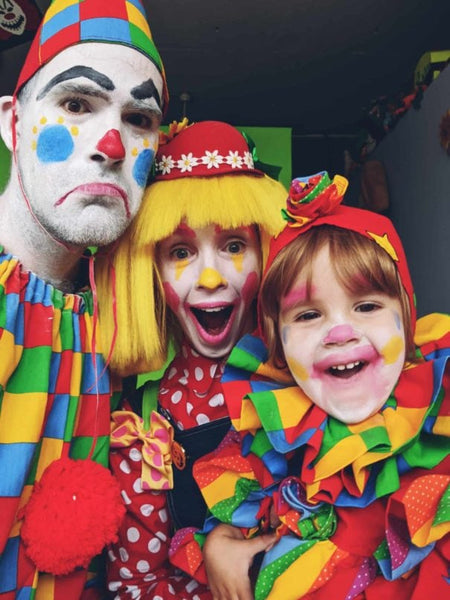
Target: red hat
(70,22)
(205,149)
(316,200)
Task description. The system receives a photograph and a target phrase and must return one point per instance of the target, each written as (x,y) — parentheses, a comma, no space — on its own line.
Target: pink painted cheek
(250,288)
(172,297)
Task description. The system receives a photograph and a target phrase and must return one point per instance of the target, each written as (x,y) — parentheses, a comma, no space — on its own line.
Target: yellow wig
(231,201)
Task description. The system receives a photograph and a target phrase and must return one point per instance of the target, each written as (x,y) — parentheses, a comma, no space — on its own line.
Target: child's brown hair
(361,265)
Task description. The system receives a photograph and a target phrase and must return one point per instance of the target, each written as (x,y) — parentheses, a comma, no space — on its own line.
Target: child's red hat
(316,200)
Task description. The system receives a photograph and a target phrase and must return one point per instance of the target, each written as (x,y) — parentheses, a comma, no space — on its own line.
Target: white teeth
(350,365)
(212,310)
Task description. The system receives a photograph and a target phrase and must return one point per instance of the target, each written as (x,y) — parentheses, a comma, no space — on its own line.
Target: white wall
(418,171)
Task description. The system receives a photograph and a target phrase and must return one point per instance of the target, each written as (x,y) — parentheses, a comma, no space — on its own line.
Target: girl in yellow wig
(196,247)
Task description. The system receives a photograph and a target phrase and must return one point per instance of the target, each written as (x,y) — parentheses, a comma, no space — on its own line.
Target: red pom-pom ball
(74,511)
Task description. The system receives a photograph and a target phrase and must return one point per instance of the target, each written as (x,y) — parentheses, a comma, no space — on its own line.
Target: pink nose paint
(340,334)
(111,145)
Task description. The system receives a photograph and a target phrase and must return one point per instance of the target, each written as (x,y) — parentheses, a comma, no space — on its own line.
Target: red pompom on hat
(74,512)
(205,149)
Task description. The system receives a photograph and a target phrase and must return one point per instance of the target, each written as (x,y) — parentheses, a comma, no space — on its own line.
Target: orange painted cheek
(392,350)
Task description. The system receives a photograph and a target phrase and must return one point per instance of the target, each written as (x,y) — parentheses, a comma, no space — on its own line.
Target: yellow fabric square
(21,417)
(137,18)
(51,450)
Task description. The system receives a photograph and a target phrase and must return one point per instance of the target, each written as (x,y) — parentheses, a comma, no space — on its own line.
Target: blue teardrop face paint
(54,144)
(142,167)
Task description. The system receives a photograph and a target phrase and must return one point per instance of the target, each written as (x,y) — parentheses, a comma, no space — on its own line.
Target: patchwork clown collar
(348,465)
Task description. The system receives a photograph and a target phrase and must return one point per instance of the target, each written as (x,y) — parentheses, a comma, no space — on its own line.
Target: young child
(349,464)
(196,246)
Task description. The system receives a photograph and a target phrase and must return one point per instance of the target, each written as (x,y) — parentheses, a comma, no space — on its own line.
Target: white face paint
(87,135)
(210,277)
(345,351)
(12,17)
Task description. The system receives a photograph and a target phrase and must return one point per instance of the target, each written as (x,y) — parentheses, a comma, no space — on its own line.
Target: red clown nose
(111,145)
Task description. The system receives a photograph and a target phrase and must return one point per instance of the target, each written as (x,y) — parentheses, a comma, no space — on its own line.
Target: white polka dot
(191,585)
(212,370)
(125,573)
(183,380)
(134,591)
(124,466)
(189,408)
(176,396)
(163,515)
(198,373)
(162,536)
(143,566)
(137,486)
(158,598)
(111,555)
(172,372)
(149,577)
(163,390)
(124,556)
(135,455)
(186,372)
(146,510)
(154,545)
(113,586)
(133,534)
(180,425)
(171,590)
(125,497)
(202,418)
(217,400)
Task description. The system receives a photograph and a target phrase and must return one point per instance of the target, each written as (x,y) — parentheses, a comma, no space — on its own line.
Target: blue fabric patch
(91,380)
(56,422)
(104,28)
(66,17)
(8,565)
(15,462)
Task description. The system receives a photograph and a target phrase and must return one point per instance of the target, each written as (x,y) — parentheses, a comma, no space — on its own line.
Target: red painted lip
(99,189)
(363,354)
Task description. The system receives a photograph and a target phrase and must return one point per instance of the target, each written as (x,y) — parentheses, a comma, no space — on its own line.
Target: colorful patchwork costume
(54,402)
(364,508)
(55,394)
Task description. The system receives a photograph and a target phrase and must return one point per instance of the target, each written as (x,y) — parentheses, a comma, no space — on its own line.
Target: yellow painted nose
(210,279)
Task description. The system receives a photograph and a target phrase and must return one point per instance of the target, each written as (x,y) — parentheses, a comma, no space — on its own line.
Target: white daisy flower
(186,162)
(166,164)
(212,159)
(248,160)
(234,159)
